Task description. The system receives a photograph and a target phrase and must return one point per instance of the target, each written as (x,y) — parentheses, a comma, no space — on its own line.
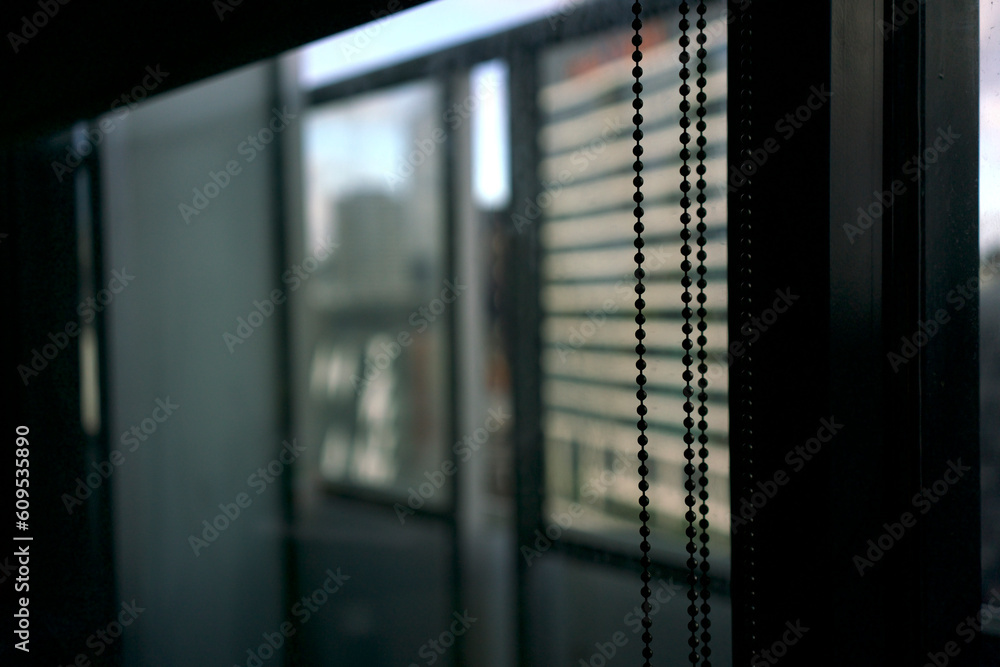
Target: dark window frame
(857,300)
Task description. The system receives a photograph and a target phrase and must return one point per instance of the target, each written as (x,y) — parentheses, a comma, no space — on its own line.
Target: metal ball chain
(640,348)
(703,524)
(698,582)
(687,313)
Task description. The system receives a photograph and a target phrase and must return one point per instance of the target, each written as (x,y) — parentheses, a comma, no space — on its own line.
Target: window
(588,312)
(438,477)
(374,326)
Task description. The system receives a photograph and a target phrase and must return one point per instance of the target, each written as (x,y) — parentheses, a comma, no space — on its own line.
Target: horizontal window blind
(587,298)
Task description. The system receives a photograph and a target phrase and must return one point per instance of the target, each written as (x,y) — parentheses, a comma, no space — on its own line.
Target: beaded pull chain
(640,334)
(702,341)
(698,582)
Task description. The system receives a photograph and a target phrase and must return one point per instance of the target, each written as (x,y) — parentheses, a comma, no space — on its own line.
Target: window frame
(858,299)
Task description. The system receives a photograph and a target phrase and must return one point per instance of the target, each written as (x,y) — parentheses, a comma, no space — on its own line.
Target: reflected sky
(989,126)
(404,35)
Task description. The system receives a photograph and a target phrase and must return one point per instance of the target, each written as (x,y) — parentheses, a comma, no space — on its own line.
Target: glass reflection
(376,317)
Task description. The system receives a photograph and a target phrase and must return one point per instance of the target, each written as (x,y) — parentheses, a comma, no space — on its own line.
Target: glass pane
(193,414)
(989,297)
(588,329)
(376,310)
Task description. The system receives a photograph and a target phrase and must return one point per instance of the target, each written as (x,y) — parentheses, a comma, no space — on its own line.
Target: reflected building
(376,355)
